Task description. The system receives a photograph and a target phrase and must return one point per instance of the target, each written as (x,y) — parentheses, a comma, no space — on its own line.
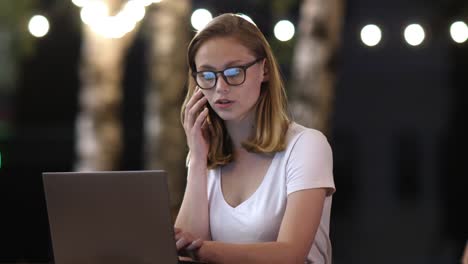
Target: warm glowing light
(459,31)
(134,10)
(96,16)
(284,30)
(414,34)
(112,27)
(144,2)
(81,3)
(38,26)
(200,18)
(371,35)
(93,12)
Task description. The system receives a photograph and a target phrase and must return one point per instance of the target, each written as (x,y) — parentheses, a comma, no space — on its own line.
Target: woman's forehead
(222,50)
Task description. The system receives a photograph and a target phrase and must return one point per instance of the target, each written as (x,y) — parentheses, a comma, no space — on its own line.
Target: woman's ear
(266,71)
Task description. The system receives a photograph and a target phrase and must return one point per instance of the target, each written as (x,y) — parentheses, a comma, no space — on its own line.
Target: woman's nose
(222,86)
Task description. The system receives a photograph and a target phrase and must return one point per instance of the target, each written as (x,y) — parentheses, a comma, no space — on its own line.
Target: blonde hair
(271,119)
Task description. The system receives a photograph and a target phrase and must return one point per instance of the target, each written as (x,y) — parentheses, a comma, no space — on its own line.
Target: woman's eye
(208,75)
(232,72)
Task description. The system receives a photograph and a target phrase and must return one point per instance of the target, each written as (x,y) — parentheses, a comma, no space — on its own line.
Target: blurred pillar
(165,146)
(314,62)
(98,125)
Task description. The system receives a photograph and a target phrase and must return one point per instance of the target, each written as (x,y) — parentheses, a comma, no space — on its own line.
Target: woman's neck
(240,130)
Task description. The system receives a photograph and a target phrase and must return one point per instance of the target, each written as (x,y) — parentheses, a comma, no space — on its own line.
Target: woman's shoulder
(297,131)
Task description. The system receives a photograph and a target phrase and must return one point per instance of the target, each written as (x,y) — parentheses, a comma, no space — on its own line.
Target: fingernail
(180,243)
(193,245)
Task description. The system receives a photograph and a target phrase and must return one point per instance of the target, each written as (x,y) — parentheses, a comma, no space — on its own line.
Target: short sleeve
(310,163)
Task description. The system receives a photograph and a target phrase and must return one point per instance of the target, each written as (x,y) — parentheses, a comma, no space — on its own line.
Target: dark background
(397,130)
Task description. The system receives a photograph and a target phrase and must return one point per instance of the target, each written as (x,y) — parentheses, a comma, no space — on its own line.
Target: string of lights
(95,14)
(414,34)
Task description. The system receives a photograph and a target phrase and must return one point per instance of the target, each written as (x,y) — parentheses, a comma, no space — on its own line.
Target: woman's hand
(195,125)
(185,240)
(465,254)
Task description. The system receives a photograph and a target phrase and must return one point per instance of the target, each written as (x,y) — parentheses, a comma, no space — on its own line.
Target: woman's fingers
(195,96)
(182,243)
(207,128)
(200,119)
(192,113)
(196,244)
(185,239)
(191,103)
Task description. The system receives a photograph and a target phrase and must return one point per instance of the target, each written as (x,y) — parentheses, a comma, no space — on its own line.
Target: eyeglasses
(233,76)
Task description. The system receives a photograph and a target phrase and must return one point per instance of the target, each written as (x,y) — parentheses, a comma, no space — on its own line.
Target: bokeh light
(284,30)
(93,12)
(81,3)
(414,34)
(134,10)
(145,2)
(459,31)
(371,35)
(200,18)
(38,26)
(96,15)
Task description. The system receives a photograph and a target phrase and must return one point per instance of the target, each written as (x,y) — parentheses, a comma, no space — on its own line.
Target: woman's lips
(223,103)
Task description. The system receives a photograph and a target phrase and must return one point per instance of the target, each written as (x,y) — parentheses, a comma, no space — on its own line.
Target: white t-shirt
(306,163)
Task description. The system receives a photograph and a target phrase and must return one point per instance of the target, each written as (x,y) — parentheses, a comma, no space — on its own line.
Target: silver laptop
(110,217)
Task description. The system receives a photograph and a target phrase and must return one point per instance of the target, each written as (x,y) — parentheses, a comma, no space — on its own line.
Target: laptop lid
(110,217)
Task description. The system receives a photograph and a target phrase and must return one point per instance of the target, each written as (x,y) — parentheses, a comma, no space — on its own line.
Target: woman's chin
(225,117)
(235,116)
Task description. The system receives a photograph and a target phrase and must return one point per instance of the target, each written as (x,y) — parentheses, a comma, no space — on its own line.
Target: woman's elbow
(293,255)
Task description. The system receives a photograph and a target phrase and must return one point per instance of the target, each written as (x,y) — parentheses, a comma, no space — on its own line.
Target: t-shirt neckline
(252,196)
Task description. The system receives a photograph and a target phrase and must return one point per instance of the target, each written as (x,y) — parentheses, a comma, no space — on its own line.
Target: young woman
(259,186)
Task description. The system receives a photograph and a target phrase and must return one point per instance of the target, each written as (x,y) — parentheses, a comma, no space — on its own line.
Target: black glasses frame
(243,67)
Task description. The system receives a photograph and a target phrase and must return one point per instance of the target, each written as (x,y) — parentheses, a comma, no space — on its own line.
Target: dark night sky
(398,133)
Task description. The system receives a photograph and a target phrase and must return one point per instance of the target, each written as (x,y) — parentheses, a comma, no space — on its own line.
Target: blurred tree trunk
(314,62)
(99,132)
(8,75)
(165,146)
(15,44)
